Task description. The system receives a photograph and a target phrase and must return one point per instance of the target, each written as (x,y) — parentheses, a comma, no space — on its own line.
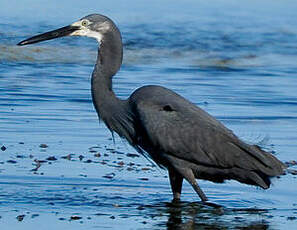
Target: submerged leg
(176,182)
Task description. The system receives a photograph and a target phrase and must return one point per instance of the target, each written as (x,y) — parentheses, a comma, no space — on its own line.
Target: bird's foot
(175,200)
(210,204)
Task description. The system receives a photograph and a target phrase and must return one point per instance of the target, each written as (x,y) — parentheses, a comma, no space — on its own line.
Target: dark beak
(64,31)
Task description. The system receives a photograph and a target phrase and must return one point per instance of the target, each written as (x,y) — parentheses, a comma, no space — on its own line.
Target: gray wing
(176,127)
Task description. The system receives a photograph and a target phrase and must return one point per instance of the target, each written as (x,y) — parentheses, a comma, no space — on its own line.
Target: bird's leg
(198,190)
(189,176)
(176,181)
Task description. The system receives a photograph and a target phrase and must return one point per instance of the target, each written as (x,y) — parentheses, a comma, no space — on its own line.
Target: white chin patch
(87,33)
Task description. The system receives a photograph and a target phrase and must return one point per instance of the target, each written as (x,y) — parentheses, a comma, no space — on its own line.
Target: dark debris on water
(68,157)
(109,175)
(143,178)
(20,217)
(75,217)
(81,157)
(292,171)
(97,155)
(116,159)
(11,161)
(291,218)
(43,146)
(291,163)
(88,161)
(34,216)
(51,158)
(133,155)
(37,164)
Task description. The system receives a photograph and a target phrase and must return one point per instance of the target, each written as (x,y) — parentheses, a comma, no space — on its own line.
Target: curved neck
(109,61)
(110,55)
(114,112)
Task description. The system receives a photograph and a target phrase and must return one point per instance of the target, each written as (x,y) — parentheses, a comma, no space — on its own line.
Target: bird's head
(94,25)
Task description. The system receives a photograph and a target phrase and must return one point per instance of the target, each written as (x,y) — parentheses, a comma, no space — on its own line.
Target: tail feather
(260,161)
(255,172)
(267,166)
(258,179)
(219,175)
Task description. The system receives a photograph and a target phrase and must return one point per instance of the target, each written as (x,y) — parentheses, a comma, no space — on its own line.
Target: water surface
(61,169)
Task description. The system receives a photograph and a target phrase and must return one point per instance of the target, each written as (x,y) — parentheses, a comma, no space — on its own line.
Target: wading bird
(161,124)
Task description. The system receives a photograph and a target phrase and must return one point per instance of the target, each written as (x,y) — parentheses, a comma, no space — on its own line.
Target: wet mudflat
(60,169)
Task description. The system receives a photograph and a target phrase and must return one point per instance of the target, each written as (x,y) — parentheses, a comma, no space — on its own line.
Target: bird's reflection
(190,216)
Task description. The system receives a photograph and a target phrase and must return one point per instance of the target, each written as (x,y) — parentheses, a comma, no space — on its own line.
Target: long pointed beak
(64,31)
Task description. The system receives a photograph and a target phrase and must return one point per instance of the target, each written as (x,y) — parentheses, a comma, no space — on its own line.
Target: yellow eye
(84,23)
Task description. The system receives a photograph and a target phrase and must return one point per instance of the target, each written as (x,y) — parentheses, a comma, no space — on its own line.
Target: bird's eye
(84,23)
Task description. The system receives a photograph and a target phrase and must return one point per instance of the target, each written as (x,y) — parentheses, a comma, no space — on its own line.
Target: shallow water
(60,167)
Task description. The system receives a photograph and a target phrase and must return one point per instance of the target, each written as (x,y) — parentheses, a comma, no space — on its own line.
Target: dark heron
(164,126)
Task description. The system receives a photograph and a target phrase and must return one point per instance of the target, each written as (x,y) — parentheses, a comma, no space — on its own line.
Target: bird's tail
(256,169)
(266,167)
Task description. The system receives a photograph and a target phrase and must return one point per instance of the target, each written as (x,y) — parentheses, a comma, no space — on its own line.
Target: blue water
(235,60)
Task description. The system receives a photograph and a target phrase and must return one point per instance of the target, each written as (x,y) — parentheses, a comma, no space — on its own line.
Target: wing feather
(176,127)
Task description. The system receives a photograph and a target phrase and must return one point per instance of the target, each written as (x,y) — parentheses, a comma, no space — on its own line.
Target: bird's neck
(108,63)
(110,55)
